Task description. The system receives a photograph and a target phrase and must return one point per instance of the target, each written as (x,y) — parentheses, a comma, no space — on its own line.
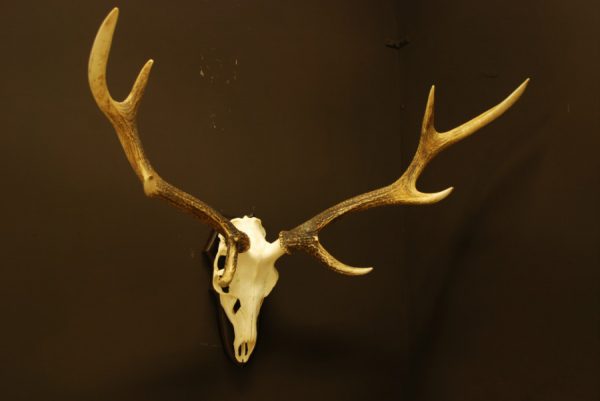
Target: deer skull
(248,273)
(254,279)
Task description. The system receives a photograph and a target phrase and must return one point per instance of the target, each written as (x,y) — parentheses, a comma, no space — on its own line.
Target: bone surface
(254,279)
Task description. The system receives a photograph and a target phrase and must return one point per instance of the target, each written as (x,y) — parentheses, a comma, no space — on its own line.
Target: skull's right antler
(305,237)
(122,116)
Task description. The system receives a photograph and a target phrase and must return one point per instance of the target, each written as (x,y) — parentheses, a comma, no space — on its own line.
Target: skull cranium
(255,277)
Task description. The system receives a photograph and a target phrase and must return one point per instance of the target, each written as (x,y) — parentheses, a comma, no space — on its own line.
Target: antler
(305,237)
(122,115)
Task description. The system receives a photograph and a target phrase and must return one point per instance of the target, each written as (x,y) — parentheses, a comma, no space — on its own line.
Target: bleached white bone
(254,279)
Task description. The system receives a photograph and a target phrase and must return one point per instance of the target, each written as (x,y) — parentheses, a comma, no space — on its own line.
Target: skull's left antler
(305,237)
(122,115)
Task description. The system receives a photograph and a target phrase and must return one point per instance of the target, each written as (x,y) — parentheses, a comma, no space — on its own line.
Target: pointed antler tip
(513,97)
(446,192)
(431,96)
(350,270)
(112,16)
(525,83)
(147,67)
(365,270)
(109,24)
(421,198)
(340,267)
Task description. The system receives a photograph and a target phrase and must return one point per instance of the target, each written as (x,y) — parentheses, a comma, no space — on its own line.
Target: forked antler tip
(98,62)
(122,115)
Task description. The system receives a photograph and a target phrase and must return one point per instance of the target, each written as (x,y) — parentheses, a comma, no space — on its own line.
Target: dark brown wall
(504,275)
(489,295)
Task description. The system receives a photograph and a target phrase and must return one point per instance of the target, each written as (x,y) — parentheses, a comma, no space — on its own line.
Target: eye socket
(221,262)
(237,306)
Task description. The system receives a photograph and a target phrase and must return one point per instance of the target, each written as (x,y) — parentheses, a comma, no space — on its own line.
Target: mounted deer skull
(248,273)
(242,298)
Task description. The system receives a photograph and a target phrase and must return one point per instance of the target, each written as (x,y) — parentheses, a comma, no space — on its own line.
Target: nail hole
(237,306)
(221,262)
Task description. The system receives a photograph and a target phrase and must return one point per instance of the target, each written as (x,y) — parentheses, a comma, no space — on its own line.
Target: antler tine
(305,237)
(432,142)
(122,115)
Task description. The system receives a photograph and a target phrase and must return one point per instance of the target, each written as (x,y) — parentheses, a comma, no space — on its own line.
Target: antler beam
(305,237)
(122,115)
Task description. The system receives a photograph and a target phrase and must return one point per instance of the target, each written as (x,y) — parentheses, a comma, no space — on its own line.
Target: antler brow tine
(122,115)
(305,237)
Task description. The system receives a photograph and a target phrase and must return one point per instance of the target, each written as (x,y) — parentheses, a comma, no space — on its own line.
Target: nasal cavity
(243,350)
(237,306)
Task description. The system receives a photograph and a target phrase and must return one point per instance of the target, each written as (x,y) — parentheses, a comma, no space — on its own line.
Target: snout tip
(244,350)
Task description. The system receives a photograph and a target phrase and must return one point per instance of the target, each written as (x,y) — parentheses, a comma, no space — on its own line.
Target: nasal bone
(244,350)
